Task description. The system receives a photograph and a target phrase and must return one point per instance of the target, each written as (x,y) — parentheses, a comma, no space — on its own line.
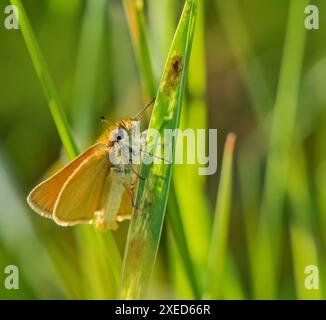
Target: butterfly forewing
(43,197)
(82,193)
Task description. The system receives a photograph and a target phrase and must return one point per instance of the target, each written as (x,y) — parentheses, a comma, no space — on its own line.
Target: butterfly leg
(132,194)
(131,190)
(135,172)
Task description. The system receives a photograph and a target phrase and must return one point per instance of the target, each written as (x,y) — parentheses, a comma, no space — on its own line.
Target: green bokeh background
(239,73)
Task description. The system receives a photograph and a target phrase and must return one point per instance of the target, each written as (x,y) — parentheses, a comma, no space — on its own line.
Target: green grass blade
(64,132)
(302,235)
(162,24)
(152,193)
(18,237)
(321,205)
(218,248)
(134,10)
(176,226)
(49,89)
(87,69)
(100,259)
(304,254)
(242,49)
(281,138)
(194,116)
(100,262)
(232,288)
(135,14)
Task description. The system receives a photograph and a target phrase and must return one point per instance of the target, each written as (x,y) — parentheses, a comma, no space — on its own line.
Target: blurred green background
(254,71)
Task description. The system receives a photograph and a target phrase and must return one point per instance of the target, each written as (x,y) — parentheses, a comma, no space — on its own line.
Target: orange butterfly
(92,185)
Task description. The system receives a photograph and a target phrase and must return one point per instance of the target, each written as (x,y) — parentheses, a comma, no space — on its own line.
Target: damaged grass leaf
(152,193)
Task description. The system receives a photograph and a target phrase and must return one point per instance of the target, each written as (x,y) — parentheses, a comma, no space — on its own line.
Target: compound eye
(119,135)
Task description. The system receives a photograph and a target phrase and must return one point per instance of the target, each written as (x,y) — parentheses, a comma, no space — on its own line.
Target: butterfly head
(122,140)
(120,132)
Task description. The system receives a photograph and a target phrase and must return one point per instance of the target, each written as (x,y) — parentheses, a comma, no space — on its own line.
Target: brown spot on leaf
(173,74)
(137,254)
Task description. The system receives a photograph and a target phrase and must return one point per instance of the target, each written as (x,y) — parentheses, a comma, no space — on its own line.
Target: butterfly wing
(82,193)
(125,209)
(116,202)
(44,196)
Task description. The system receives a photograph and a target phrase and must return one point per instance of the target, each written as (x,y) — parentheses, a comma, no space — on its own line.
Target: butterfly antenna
(145,108)
(155,156)
(103,119)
